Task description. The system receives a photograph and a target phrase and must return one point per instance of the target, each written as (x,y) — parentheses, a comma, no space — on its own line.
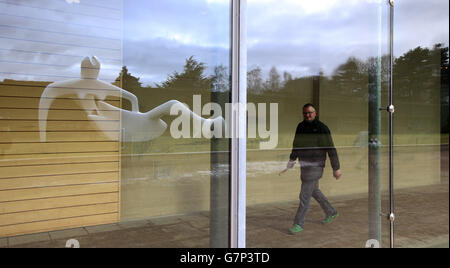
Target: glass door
(323,65)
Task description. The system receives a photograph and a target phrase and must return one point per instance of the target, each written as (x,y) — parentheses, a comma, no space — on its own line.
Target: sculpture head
(90,68)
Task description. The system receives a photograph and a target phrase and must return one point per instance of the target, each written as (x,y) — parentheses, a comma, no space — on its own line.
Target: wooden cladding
(70,179)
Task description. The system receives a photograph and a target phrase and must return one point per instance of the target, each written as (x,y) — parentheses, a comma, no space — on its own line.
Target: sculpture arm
(132,98)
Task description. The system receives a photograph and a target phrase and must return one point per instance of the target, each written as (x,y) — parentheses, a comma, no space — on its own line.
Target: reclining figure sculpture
(136,126)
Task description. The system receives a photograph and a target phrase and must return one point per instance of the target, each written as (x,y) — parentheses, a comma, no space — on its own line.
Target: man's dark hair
(309,105)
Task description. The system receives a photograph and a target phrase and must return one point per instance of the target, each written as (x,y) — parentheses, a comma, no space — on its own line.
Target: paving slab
(69,233)
(422,220)
(134,224)
(102,228)
(25,239)
(166,220)
(3,242)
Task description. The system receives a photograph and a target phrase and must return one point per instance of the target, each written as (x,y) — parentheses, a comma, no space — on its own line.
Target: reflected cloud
(152,60)
(73,1)
(325,35)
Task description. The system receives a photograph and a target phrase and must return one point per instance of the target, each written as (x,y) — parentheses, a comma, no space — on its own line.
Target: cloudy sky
(47,39)
(160,35)
(300,37)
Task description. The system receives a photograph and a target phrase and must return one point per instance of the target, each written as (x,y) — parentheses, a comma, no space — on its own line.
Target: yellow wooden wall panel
(24,125)
(58,147)
(70,180)
(57,202)
(60,136)
(57,213)
(64,104)
(33,114)
(58,191)
(36,84)
(52,225)
(65,158)
(11,90)
(58,180)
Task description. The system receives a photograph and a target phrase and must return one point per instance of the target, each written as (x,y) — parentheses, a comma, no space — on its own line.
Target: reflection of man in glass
(311,145)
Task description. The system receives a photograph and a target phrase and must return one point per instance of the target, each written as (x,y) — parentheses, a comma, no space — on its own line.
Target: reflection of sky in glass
(46,40)
(305,37)
(160,35)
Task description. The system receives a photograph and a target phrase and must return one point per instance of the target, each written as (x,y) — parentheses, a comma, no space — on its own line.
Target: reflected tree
(351,78)
(417,73)
(191,79)
(274,81)
(221,79)
(286,77)
(255,82)
(129,82)
(417,89)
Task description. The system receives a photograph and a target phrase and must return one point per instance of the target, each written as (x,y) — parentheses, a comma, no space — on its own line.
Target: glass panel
(333,56)
(421,123)
(98,140)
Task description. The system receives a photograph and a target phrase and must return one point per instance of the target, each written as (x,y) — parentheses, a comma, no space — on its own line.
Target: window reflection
(60,166)
(85,142)
(337,59)
(89,92)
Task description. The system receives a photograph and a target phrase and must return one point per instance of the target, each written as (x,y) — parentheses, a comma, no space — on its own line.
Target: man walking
(311,145)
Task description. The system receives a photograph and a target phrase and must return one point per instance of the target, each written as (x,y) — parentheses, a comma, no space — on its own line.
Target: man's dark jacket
(311,144)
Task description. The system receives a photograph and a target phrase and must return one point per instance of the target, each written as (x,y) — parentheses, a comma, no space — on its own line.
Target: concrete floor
(422,220)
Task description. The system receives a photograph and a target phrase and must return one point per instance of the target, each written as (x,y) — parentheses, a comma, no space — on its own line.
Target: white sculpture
(137,126)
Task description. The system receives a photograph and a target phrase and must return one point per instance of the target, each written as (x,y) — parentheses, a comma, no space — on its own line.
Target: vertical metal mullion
(238,125)
(391,110)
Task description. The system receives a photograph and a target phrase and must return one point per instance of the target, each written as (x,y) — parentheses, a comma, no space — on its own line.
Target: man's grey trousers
(310,188)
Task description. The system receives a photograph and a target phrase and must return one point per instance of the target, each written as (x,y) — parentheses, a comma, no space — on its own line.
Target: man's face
(309,114)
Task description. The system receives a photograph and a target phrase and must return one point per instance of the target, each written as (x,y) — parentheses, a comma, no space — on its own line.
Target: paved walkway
(422,220)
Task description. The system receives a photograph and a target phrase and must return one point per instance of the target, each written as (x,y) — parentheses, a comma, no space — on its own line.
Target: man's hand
(290,164)
(337,174)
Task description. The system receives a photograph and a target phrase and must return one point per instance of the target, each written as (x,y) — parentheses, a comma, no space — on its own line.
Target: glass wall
(421,123)
(114,123)
(335,56)
(177,53)
(106,133)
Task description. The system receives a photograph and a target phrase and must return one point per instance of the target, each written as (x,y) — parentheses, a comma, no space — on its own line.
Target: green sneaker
(330,218)
(296,229)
